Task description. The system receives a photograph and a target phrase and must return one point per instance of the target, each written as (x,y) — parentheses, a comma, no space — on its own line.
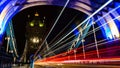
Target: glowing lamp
(35,40)
(31,24)
(36,14)
(41,24)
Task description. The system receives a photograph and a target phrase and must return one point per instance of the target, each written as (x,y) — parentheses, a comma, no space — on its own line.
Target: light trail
(64,58)
(105,42)
(88,54)
(60,32)
(59,44)
(52,27)
(96,28)
(105,15)
(102,18)
(64,45)
(63,42)
(64,28)
(103,24)
(85,45)
(81,47)
(85,20)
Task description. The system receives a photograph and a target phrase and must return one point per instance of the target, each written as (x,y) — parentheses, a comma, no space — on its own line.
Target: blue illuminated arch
(10,8)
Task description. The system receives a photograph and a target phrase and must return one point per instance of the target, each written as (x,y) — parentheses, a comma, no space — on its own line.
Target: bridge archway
(11,8)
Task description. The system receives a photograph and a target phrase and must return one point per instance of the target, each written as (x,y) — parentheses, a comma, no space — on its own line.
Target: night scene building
(59,33)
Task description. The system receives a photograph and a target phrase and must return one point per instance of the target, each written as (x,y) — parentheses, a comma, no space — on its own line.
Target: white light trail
(85,20)
(91,30)
(53,26)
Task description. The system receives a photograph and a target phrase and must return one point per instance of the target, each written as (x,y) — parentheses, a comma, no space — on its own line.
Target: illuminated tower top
(36,14)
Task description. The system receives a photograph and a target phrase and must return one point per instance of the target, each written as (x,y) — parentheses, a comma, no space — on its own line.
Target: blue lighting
(118,10)
(1,39)
(76,31)
(7,18)
(105,29)
(8,14)
(108,34)
(3,3)
(116,5)
(59,2)
(84,32)
(117,22)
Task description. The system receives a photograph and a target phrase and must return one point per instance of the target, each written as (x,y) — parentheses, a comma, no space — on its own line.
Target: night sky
(51,13)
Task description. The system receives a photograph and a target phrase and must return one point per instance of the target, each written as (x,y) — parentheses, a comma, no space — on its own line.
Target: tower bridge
(60,33)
